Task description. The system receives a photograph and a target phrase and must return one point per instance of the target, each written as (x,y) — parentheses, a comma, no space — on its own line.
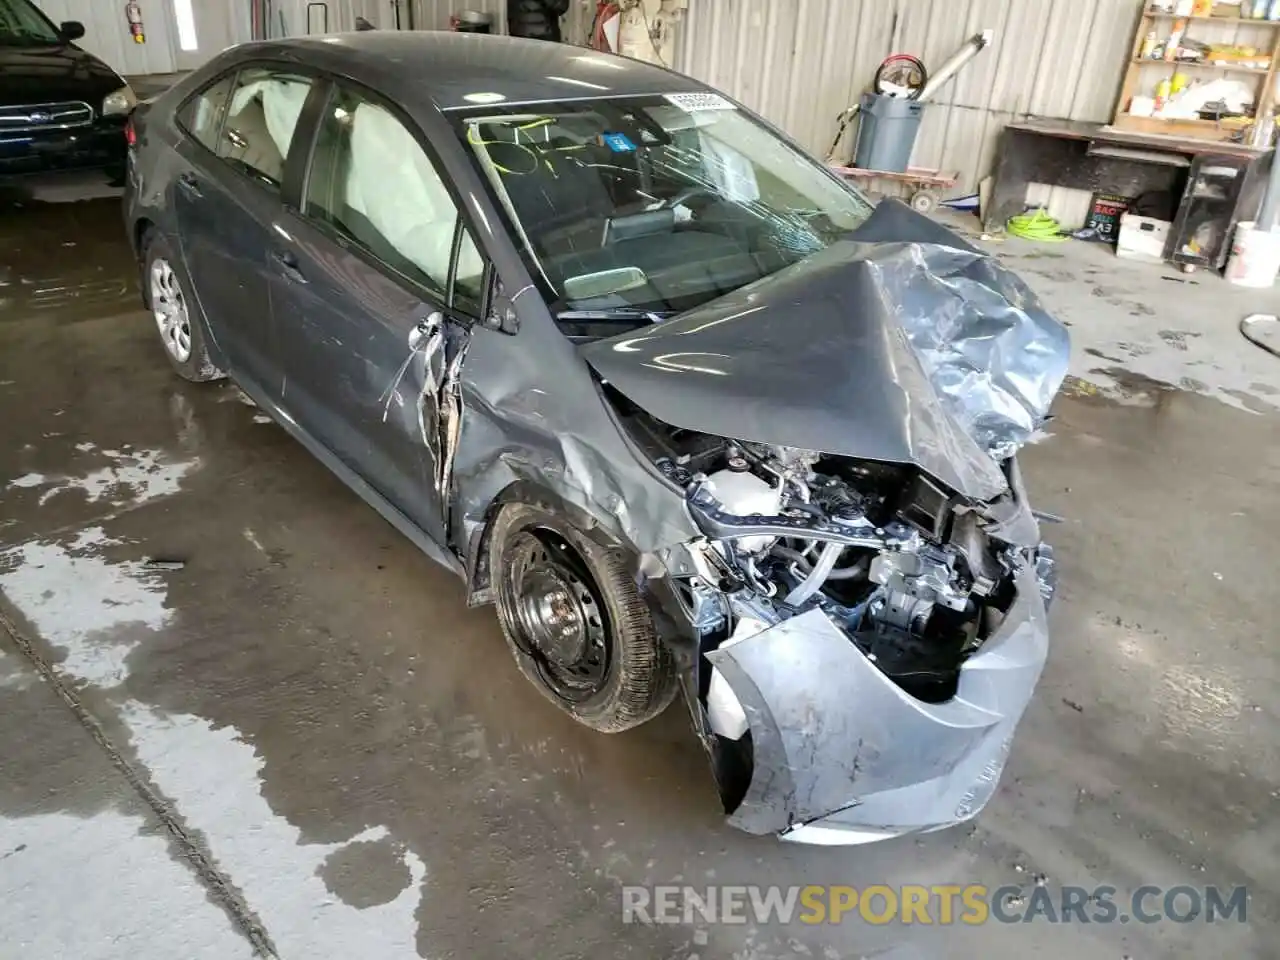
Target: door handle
(189,185)
(287,261)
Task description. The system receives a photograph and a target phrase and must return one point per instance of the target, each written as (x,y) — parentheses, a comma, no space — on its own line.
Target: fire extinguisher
(133,13)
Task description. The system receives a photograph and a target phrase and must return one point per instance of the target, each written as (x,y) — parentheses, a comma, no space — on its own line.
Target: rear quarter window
(202,114)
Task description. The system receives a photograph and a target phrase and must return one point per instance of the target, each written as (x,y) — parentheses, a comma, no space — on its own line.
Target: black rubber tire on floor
(198,368)
(641,681)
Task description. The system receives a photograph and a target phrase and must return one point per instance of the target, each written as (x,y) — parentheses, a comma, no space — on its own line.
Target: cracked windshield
(655,204)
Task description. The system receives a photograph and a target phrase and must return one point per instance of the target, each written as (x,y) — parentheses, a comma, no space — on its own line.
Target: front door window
(372,183)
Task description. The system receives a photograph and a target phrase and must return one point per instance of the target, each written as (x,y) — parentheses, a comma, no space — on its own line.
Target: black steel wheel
(561,619)
(575,621)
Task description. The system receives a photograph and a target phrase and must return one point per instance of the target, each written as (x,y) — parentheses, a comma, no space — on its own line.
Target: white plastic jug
(1255,256)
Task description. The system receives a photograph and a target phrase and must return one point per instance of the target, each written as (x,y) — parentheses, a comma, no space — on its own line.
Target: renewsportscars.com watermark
(941,904)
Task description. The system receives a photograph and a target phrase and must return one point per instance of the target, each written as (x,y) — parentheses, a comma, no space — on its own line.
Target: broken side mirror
(499,309)
(502,316)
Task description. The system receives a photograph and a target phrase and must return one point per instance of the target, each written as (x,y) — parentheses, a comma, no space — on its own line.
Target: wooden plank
(933,178)
(1176,65)
(1131,72)
(1268,87)
(1248,21)
(1198,129)
(1065,129)
(1154,133)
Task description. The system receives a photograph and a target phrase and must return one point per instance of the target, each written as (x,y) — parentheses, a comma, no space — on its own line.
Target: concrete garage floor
(300,739)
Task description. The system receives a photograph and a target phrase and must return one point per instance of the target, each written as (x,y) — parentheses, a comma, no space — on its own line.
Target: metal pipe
(855,571)
(817,577)
(972,47)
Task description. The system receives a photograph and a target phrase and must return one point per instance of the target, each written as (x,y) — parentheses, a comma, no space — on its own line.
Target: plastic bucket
(1255,256)
(887,128)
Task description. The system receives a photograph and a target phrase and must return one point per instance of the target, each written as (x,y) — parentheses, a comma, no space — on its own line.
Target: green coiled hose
(1036,226)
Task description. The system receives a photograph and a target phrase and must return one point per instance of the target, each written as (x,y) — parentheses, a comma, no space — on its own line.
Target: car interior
(263,113)
(371,179)
(589,207)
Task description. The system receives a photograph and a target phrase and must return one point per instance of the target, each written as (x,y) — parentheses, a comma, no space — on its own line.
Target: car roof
(444,67)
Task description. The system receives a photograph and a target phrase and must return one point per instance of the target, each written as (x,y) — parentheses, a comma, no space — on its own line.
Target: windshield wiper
(619,314)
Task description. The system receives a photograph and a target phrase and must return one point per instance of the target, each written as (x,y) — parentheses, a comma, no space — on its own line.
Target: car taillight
(130,135)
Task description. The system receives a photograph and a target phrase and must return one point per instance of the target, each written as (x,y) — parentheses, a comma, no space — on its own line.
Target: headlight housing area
(119,102)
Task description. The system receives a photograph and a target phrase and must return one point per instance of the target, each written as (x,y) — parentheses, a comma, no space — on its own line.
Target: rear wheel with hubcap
(575,621)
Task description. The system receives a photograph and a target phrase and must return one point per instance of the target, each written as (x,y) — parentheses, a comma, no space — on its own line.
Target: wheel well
(140,230)
(479,585)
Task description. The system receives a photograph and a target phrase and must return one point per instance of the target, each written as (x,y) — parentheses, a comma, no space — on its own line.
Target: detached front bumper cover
(839,746)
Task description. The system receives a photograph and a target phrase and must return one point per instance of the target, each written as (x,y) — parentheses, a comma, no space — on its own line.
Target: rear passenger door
(241,136)
(377,283)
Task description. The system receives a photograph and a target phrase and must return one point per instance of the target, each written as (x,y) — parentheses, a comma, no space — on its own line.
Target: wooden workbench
(1094,157)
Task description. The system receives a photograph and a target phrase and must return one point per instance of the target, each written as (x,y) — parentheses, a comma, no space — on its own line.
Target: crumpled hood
(902,344)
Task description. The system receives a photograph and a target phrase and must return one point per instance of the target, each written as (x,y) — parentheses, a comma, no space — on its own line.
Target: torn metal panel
(901,344)
(837,742)
(450,407)
(516,425)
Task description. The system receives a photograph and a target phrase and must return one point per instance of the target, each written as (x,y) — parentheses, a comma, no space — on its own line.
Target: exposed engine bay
(907,570)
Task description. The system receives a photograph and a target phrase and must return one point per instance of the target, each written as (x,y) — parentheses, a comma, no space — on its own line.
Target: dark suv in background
(60,107)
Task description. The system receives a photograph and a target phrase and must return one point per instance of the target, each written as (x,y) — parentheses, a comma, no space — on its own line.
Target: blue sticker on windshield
(618,143)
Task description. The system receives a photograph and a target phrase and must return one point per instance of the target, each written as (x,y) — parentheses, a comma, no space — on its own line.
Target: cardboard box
(1142,238)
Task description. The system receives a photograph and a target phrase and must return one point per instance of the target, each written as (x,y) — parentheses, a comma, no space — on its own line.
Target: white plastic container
(1142,238)
(1255,256)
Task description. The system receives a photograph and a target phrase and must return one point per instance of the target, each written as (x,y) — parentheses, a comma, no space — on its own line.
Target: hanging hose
(1253,326)
(854,570)
(817,577)
(842,124)
(900,61)
(1036,226)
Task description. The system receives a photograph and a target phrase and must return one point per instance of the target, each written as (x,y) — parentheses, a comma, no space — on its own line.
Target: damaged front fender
(514,431)
(839,746)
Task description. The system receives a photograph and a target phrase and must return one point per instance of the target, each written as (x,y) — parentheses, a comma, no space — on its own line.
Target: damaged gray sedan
(686,409)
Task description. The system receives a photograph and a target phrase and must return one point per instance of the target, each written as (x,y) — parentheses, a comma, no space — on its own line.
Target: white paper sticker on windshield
(693,102)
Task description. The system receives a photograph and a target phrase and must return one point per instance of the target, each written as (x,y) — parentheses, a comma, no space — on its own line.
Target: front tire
(575,622)
(173,306)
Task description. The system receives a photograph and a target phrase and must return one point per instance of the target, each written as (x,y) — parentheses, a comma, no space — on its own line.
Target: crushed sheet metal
(838,742)
(517,427)
(902,344)
(425,341)
(992,353)
(450,421)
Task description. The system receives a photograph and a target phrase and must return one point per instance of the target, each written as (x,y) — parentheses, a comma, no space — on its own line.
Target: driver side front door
(371,294)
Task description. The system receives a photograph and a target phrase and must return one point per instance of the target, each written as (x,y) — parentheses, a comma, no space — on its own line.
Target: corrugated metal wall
(426,15)
(800,62)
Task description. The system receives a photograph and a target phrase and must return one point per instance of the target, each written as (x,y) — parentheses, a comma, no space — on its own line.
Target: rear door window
(262,115)
(201,116)
(372,183)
